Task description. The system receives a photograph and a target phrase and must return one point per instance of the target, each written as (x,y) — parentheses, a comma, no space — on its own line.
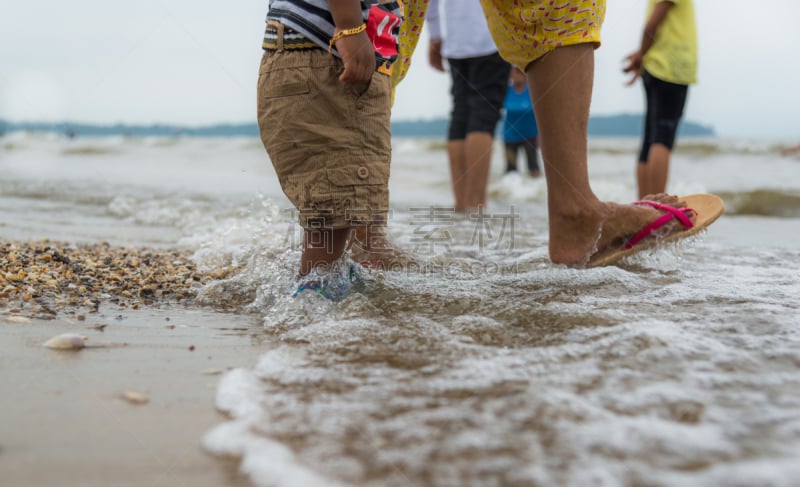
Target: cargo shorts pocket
(360,89)
(271,90)
(362,188)
(282,100)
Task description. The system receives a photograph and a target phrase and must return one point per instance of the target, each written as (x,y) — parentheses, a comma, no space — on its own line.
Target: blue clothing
(520,122)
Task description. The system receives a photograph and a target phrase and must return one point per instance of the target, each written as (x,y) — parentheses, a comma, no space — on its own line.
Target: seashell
(68,277)
(18,319)
(213,372)
(66,341)
(135,397)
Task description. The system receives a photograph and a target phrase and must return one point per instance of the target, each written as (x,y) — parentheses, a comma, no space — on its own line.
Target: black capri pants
(479,89)
(665,102)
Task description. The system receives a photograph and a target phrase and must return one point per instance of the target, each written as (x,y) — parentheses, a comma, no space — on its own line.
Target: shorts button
(359,105)
(363,172)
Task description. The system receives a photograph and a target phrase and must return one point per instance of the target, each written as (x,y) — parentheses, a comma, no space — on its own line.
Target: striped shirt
(312,19)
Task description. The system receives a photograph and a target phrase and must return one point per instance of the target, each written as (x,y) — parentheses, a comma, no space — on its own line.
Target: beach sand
(64,419)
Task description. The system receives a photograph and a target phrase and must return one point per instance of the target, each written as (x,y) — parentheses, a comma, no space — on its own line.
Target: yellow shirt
(673,56)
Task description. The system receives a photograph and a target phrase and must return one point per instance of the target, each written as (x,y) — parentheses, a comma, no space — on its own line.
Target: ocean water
(487,366)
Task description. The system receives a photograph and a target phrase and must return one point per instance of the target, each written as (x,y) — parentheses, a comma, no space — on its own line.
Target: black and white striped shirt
(313,20)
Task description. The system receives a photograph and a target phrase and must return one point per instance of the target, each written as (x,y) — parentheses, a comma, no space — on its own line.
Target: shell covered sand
(44,279)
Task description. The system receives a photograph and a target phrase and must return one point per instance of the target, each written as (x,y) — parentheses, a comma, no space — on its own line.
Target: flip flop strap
(670,212)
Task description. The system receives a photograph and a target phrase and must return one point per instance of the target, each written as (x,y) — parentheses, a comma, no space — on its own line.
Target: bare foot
(665,199)
(389,258)
(372,249)
(575,238)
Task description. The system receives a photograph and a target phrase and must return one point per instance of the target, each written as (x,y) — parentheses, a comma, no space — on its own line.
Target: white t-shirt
(461,27)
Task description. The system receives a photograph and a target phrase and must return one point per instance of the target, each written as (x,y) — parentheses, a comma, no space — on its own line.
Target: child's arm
(648,37)
(435,31)
(356,50)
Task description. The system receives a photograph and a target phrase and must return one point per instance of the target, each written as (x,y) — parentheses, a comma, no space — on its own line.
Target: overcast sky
(195,63)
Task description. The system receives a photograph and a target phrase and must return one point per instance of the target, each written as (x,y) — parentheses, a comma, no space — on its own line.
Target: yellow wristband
(346,32)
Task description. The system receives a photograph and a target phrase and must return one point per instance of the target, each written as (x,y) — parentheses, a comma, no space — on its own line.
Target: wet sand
(64,419)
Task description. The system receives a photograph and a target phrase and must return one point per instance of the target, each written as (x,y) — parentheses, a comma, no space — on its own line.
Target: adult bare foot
(619,234)
(576,238)
(666,199)
(670,200)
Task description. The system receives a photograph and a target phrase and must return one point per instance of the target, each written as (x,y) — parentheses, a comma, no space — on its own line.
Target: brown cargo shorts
(329,142)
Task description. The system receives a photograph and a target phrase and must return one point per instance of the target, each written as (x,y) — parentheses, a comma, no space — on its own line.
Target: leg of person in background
(479,87)
(469,169)
(647,134)
(511,150)
(488,79)
(655,171)
(478,158)
(532,156)
(580,224)
(456,156)
(457,132)
(665,103)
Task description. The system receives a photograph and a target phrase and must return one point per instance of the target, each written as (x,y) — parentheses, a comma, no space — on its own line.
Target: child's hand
(634,66)
(358,57)
(435,58)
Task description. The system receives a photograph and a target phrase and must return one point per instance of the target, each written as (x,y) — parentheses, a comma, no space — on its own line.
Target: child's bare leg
(580,224)
(511,157)
(322,247)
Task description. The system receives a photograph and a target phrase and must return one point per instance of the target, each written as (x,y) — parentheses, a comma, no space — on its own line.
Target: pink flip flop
(670,212)
(706,207)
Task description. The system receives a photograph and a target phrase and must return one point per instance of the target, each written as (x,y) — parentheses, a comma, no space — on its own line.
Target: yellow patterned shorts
(525,30)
